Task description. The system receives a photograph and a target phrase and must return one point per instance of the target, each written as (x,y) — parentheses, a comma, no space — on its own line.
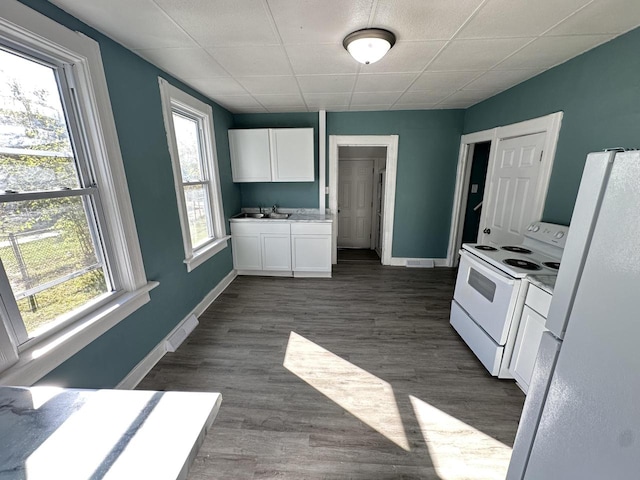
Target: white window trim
(21,25)
(172,96)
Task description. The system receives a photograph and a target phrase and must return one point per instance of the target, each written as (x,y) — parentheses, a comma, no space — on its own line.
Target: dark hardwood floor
(355,377)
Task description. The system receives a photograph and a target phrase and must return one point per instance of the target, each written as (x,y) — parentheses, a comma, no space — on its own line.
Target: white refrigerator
(581,417)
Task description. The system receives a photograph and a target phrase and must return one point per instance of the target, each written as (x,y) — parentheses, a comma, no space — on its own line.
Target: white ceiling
(287,55)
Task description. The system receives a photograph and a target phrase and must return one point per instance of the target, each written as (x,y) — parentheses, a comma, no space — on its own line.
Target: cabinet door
(247,254)
(276,251)
(250,155)
(292,155)
(311,253)
(526,347)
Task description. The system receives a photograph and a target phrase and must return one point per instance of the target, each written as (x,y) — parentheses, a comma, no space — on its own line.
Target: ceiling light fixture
(369,45)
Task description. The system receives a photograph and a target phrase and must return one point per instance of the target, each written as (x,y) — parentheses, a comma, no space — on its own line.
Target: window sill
(206,252)
(35,362)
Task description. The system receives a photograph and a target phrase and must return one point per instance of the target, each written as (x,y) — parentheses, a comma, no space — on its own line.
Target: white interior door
(511,194)
(355,190)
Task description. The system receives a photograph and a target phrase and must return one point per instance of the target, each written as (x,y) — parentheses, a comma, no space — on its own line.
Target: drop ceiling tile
(326,99)
(273,101)
(287,109)
(184,63)
(216,86)
(246,61)
(443,81)
(415,106)
(320,59)
(380,98)
(501,79)
(384,82)
(405,57)
(471,96)
(420,20)
(369,107)
(144,25)
(508,18)
(422,98)
(326,83)
(318,21)
(545,52)
(603,16)
(216,23)
(476,54)
(233,102)
(274,85)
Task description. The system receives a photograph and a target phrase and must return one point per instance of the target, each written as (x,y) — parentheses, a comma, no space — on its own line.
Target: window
(70,262)
(189,126)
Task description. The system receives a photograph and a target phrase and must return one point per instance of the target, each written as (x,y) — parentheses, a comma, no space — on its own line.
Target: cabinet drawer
(538,299)
(311,228)
(268,226)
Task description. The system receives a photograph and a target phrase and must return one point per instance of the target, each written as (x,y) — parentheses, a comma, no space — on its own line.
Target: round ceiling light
(369,45)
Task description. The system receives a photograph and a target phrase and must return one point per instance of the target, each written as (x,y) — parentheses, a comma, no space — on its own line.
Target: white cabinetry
(530,330)
(282,248)
(311,249)
(261,247)
(250,155)
(272,155)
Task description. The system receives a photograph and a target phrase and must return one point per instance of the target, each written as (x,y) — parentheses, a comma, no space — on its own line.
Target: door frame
(391,144)
(549,124)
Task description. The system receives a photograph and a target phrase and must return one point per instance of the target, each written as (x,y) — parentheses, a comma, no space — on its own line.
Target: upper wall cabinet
(272,155)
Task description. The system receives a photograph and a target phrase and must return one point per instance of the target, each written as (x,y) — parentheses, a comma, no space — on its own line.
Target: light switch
(474,188)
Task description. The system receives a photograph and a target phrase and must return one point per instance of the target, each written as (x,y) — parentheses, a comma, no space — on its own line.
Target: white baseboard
(136,375)
(418,262)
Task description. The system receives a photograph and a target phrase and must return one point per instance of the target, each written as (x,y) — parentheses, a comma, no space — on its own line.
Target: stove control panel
(551,233)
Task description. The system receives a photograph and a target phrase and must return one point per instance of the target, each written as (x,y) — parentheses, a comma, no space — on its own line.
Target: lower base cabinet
(282,248)
(311,249)
(530,330)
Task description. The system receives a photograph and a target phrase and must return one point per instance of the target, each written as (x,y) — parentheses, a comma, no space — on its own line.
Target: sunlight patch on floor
(362,394)
(459,451)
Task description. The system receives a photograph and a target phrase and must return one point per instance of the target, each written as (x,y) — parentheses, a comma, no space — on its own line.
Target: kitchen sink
(266,216)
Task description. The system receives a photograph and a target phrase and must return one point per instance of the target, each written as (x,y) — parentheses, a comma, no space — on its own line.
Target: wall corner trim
(135,376)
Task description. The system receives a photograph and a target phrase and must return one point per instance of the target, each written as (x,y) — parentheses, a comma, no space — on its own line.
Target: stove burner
(524,264)
(486,248)
(552,265)
(517,249)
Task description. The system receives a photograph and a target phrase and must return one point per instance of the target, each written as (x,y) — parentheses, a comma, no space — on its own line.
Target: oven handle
(487,269)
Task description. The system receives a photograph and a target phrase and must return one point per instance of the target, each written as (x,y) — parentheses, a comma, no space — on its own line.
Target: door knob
(487,231)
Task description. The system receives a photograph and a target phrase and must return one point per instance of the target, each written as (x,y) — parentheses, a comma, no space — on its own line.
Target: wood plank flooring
(355,377)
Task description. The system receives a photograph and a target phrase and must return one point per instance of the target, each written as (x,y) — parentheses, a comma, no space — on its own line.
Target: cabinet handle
(487,231)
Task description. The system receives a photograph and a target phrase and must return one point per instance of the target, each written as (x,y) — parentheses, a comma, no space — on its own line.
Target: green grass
(47,259)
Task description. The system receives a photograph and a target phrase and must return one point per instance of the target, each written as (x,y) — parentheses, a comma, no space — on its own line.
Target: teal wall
(135,98)
(427,160)
(599,93)
(290,195)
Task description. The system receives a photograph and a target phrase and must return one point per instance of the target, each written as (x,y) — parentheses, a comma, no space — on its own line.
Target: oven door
(487,295)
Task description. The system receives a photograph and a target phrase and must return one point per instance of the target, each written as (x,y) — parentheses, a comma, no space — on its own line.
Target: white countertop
(545,282)
(296,216)
(48,433)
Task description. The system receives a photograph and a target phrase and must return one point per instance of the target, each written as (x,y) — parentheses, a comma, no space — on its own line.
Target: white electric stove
(489,292)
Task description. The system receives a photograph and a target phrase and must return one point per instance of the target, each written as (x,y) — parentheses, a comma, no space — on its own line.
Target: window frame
(21,28)
(178,101)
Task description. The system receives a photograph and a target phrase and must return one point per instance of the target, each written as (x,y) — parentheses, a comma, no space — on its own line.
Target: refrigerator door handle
(533,405)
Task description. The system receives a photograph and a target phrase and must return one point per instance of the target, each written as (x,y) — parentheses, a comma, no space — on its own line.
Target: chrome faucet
(274,209)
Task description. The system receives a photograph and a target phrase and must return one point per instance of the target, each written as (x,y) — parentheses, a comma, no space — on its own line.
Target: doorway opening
(361,171)
(516,181)
(362,183)
(475,192)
